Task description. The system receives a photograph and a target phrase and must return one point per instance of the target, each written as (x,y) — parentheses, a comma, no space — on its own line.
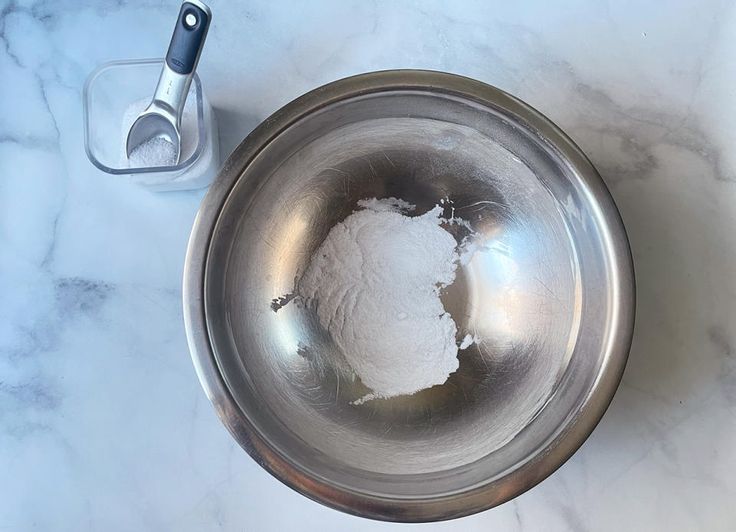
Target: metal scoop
(162,117)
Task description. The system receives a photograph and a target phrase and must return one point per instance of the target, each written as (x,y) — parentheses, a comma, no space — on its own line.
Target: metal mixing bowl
(551,296)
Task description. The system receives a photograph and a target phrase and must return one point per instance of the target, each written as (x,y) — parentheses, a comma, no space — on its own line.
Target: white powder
(386,204)
(158,151)
(375,284)
(467,341)
(154,152)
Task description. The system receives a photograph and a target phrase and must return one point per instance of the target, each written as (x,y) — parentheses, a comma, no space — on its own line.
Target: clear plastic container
(109,93)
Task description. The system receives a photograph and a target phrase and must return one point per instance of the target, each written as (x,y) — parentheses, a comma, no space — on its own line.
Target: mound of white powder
(375,284)
(157,151)
(153,152)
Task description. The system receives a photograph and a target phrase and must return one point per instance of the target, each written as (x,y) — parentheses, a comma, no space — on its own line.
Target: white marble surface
(103,425)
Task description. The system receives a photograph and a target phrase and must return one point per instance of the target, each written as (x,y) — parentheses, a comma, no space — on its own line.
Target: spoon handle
(182,57)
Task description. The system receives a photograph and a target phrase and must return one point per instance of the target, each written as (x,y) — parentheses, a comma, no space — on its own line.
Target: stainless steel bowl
(552,297)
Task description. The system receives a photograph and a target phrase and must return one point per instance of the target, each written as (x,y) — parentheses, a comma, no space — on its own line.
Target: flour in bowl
(375,284)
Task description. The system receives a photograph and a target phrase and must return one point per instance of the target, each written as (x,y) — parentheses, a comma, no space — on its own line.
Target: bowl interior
(539,296)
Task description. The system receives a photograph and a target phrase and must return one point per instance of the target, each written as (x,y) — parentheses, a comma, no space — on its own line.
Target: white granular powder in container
(153,152)
(201,166)
(158,151)
(375,283)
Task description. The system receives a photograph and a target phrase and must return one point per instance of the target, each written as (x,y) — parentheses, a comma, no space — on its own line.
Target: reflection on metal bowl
(551,297)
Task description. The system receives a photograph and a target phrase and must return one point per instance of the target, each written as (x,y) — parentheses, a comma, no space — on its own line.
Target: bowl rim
(556,450)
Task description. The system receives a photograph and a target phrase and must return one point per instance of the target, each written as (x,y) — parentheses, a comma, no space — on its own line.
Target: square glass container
(109,92)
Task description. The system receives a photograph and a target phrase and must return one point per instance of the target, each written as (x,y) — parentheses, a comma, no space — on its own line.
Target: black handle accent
(188,38)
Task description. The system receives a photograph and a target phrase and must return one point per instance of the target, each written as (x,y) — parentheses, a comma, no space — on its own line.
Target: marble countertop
(103,425)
